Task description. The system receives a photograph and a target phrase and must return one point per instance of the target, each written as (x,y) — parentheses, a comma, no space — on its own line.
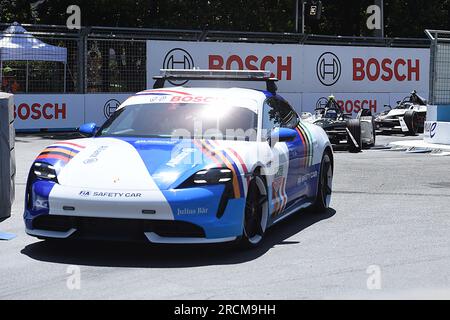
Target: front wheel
(325,184)
(256,213)
(354,138)
(411,120)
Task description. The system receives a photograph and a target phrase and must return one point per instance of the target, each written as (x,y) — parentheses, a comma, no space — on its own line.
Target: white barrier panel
(64,111)
(99,106)
(36,111)
(437,126)
(364,69)
(301,68)
(437,132)
(283,60)
(7,155)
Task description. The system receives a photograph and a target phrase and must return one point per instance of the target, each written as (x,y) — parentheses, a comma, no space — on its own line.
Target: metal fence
(101,59)
(439,66)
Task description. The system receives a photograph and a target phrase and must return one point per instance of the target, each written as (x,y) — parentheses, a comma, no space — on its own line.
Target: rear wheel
(355,140)
(256,213)
(411,119)
(374,134)
(325,185)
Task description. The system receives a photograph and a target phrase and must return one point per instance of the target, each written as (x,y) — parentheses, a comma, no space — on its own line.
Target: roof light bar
(224,75)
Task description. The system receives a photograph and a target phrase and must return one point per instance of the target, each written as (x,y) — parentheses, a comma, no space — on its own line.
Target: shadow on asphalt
(113,254)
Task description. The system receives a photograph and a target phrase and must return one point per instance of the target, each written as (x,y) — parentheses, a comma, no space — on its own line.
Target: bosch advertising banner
(99,106)
(64,111)
(365,69)
(283,60)
(358,76)
(36,111)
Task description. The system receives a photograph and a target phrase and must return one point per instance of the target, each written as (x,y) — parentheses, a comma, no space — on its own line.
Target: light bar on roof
(220,75)
(202,74)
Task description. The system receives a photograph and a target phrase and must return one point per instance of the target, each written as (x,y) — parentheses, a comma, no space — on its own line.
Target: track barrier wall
(7,155)
(106,65)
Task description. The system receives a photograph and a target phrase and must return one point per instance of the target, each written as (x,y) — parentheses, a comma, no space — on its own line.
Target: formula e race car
(183,165)
(341,128)
(407,117)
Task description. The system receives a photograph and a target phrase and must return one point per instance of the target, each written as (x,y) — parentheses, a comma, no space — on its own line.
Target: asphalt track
(386,236)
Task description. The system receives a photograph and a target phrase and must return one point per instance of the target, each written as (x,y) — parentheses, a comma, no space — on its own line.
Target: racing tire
(354,126)
(325,185)
(374,132)
(256,213)
(411,120)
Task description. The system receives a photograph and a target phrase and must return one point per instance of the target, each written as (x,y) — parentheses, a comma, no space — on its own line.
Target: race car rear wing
(224,75)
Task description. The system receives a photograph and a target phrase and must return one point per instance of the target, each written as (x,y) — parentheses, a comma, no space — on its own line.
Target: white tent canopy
(16,44)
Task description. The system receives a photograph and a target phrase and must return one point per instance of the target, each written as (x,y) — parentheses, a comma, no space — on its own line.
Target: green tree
(403,18)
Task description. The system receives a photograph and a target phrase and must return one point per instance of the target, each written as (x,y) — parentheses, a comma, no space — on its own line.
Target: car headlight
(213,176)
(209,176)
(44,171)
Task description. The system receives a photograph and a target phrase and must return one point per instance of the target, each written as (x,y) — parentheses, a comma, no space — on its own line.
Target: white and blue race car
(183,165)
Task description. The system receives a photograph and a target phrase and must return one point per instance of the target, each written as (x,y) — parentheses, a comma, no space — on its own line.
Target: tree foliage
(403,18)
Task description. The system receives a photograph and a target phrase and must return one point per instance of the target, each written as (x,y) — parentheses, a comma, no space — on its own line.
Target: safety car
(183,165)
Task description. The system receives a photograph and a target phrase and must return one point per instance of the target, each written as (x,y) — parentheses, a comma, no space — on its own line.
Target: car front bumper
(194,215)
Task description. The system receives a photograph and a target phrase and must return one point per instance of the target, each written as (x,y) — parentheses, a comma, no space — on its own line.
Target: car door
(279,164)
(295,189)
(286,188)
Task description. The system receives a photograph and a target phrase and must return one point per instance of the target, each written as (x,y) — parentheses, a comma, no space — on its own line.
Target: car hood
(125,163)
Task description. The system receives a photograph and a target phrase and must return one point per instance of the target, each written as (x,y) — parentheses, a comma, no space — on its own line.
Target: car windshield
(182,120)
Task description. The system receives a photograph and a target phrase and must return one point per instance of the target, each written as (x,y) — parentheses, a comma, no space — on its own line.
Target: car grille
(117,229)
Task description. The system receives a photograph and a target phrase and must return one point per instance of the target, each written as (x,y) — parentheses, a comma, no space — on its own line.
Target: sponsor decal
(168,96)
(328,69)
(184,153)
(279,197)
(37,111)
(386,70)
(430,128)
(322,102)
(94,156)
(306,138)
(307,177)
(351,105)
(99,194)
(178,58)
(355,106)
(110,107)
(283,65)
(190,211)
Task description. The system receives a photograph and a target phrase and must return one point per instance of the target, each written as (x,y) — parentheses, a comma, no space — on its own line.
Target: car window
(182,119)
(278,113)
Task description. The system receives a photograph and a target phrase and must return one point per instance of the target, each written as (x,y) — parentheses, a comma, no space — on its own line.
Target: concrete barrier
(7,156)
(437,125)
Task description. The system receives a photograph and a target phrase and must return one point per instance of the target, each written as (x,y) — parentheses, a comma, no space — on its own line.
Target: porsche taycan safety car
(408,117)
(341,129)
(183,165)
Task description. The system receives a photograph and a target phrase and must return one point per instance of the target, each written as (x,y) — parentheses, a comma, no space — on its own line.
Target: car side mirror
(88,129)
(282,135)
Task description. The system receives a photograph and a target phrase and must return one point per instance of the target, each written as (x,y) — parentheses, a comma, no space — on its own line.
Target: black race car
(341,128)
